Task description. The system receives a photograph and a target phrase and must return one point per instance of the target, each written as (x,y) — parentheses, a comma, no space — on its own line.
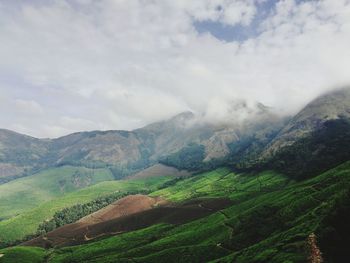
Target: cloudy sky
(72,65)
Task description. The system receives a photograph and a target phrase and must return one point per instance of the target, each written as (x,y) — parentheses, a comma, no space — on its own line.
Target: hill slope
(315,140)
(271,219)
(28,222)
(19,154)
(26,193)
(330,106)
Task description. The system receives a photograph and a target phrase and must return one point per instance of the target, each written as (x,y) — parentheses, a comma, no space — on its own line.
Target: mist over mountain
(313,141)
(330,106)
(259,135)
(137,149)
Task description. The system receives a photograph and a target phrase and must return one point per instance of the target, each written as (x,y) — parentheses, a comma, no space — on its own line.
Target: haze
(76,65)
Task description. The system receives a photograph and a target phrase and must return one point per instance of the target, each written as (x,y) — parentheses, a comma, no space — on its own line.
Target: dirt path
(207,208)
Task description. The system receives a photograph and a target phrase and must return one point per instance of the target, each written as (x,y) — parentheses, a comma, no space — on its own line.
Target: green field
(270,221)
(28,192)
(22,254)
(223,183)
(27,223)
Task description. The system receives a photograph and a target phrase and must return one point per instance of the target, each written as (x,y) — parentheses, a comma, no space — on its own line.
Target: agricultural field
(27,223)
(223,183)
(271,219)
(25,254)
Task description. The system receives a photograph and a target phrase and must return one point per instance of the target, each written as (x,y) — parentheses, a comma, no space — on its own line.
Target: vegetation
(28,222)
(222,183)
(271,220)
(188,158)
(24,194)
(74,213)
(22,254)
(316,153)
(334,238)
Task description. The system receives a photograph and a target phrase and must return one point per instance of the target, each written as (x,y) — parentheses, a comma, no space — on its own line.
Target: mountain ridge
(328,106)
(125,151)
(254,140)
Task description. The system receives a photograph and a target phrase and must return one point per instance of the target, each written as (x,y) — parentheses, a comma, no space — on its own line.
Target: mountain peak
(186,115)
(329,106)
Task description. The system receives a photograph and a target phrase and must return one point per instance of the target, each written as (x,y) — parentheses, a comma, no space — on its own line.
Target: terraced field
(271,219)
(223,183)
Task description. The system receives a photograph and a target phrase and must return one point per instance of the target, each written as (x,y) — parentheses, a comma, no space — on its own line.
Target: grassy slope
(270,222)
(27,223)
(22,254)
(222,183)
(26,193)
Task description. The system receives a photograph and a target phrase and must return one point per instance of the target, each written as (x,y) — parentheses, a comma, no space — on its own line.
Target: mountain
(127,152)
(315,140)
(329,106)
(185,141)
(19,153)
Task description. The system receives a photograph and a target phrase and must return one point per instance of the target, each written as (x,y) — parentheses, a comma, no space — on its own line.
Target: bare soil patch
(128,205)
(112,224)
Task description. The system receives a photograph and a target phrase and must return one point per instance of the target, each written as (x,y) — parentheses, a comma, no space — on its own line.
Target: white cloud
(229,12)
(119,64)
(239,12)
(28,107)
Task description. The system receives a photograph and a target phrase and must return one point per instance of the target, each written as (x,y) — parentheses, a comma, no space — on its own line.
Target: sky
(76,65)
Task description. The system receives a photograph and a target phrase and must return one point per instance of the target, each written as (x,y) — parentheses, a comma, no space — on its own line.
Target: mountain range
(127,152)
(269,188)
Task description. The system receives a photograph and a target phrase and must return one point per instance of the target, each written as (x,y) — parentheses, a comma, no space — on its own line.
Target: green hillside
(318,152)
(27,223)
(271,220)
(223,183)
(23,254)
(26,193)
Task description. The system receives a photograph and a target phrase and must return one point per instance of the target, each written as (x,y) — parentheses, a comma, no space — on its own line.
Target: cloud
(227,12)
(83,65)
(28,107)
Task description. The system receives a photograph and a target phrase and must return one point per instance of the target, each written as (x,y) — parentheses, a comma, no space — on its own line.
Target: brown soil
(91,229)
(123,207)
(158,170)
